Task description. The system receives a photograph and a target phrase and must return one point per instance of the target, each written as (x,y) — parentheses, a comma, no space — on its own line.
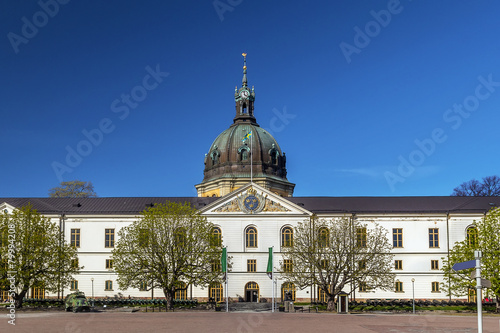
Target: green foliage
(488,241)
(329,254)
(33,253)
(73,189)
(169,247)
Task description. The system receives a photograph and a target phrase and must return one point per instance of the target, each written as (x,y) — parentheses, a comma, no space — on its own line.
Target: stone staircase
(249,307)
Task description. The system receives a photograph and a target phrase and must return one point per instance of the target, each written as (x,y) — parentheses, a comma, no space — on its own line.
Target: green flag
(223,261)
(270,264)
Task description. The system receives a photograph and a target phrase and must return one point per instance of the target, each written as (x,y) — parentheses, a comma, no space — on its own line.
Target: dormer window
(214,155)
(244,153)
(274,154)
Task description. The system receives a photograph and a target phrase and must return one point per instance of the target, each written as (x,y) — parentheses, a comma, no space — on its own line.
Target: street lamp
(413,289)
(92,279)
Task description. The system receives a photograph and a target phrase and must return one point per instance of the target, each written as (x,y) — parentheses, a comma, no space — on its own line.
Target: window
(398,287)
(216,266)
(471,295)
(472,236)
(434,264)
(75,237)
(398,264)
(74,263)
(108,285)
(361,237)
(109,263)
(251,265)
(4,295)
(216,237)
(38,293)
(109,238)
(143,286)
(433,237)
(288,288)
(397,237)
(215,291)
(362,287)
(362,265)
(435,287)
(215,156)
(244,152)
(322,297)
(273,152)
(74,285)
(287,237)
(181,293)
(323,264)
(287,265)
(324,237)
(251,237)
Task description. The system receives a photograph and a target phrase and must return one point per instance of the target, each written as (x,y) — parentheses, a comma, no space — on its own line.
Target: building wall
(415,253)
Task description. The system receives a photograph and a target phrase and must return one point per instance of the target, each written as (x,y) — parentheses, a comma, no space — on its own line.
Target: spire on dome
(244,81)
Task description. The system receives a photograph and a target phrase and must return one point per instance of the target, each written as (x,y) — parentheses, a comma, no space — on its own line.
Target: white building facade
(421,229)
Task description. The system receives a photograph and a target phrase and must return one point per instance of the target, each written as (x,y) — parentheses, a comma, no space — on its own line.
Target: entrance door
(251,292)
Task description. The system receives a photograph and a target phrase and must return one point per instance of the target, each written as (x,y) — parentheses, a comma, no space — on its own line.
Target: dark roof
(119,206)
(396,205)
(318,205)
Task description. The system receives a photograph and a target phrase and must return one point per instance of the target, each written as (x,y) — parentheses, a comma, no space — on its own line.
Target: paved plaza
(240,322)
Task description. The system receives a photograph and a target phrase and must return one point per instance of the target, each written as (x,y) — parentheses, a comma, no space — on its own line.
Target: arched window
(287,237)
(274,154)
(288,288)
(215,291)
(181,292)
(108,285)
(214,155)
(216,236)
(322,296)
(323,237)
(251,237)
(472,236)
(244,152)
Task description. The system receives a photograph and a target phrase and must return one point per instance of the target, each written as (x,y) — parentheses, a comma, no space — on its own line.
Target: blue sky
(367,98)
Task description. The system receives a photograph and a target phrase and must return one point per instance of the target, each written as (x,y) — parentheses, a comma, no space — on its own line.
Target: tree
(490,186)
(33,253)
(338,253)
(73,189)
(170,247)
(484,235)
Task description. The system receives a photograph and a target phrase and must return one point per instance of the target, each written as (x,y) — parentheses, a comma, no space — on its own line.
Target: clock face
(251,202)
(244,94)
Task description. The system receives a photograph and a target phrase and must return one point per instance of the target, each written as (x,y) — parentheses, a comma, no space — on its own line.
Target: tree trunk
(18,299)
(331,304)
(169,296)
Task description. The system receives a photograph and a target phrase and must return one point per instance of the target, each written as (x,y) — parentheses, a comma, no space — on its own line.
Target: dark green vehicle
(77,302)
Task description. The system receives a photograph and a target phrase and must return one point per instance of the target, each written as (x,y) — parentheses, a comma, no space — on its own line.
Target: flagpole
(272,277)
(251,158)
(227,292)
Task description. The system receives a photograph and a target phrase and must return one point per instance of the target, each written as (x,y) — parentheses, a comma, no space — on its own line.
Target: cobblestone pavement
(208,322)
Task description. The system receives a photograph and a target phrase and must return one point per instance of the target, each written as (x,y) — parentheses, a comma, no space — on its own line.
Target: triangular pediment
(6,208)
(253,199)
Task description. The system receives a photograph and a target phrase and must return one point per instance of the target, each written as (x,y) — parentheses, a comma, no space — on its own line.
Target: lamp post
(413,289)
(92,279)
